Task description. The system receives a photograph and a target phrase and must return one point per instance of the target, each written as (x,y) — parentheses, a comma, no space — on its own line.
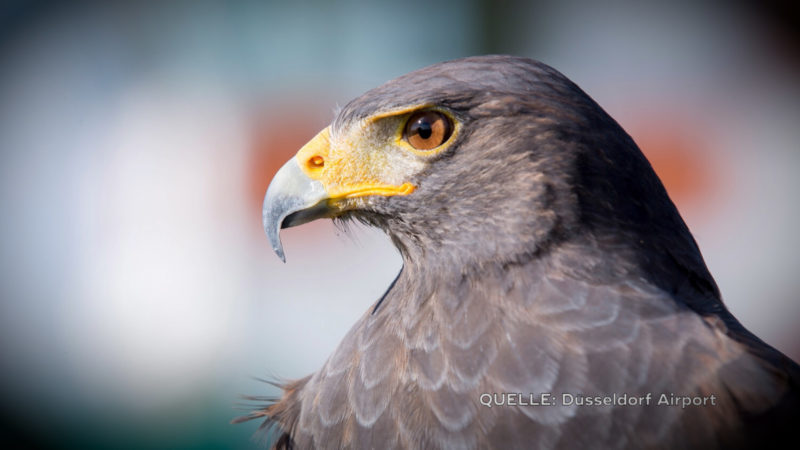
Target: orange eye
(427,129)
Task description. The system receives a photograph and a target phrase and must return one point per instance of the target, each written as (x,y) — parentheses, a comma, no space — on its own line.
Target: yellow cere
(368,158)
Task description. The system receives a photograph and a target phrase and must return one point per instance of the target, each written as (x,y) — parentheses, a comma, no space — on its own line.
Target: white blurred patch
(156,273)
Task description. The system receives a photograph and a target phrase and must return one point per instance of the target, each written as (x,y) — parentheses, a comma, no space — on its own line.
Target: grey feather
(560,265)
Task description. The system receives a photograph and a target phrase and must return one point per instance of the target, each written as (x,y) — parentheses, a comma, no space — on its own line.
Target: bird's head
(481,159)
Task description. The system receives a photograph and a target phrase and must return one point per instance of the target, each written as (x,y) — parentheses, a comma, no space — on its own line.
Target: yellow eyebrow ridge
(397,112)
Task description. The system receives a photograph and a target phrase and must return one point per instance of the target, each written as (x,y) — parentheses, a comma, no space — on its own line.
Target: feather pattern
(420,385)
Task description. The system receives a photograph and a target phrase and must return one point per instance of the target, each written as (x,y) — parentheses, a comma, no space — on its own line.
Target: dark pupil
(423,128)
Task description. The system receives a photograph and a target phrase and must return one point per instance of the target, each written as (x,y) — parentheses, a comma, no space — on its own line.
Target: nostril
(316,162)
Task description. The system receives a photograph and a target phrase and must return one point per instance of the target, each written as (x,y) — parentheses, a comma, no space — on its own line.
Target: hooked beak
(292,199)
(316,183)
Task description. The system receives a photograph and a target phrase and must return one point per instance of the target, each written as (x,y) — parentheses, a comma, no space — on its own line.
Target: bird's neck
(436,273)
(432,276)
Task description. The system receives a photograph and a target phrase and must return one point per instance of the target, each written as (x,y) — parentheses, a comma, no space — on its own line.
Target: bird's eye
(427,129)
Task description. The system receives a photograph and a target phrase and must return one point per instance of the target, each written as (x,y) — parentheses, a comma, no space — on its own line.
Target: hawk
(551,296)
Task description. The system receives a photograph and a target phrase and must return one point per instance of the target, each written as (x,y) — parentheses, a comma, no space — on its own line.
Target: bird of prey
(551,296)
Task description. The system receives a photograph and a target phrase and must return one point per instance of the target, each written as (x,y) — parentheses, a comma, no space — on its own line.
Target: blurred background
(139,296)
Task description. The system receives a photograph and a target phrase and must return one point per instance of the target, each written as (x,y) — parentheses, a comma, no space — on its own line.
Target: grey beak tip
(290,192)
(279,252)
(277,246)
(272,228)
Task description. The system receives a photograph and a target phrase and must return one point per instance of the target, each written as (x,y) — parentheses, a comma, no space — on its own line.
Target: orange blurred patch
(682,158)
(278,132)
